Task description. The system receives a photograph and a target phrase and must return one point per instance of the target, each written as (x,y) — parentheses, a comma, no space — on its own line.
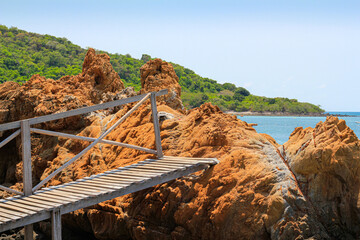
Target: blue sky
(309,50)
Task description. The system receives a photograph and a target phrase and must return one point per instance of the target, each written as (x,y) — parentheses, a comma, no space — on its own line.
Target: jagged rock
(250,194)
(157,75)
(326,162)
(40,96)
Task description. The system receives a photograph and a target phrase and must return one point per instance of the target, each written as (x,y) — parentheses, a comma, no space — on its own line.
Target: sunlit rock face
(326,162)
(157,75)
(258,190)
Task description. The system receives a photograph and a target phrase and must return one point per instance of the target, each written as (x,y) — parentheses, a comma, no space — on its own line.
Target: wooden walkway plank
(180,162)
(17,209)
(208,160)
(11,214)
(157,168)
(50,205)
(58,191)
(168,165)
(20,211)
(116,177)
(26,206)
(88,189)
(51,199)
(74,191)
(95,185)
(113,181)
(144,170)
(61,195)
(136,173)
(30,202)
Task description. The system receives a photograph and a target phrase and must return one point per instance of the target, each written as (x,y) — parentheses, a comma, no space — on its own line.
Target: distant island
(23,54)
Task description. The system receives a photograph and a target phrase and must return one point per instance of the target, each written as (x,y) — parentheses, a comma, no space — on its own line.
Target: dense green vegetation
(23,54)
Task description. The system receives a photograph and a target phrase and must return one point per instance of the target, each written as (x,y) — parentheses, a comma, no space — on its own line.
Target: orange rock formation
(250,194)
(326,162)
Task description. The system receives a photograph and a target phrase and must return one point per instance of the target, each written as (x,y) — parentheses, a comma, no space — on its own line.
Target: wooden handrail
(91,145)
(25,130)
(56,116)
(90,139)
(9,138)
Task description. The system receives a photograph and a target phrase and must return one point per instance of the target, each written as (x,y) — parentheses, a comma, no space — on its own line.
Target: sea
(280,127)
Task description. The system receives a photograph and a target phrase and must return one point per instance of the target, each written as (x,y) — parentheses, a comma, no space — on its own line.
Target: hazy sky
(309,50)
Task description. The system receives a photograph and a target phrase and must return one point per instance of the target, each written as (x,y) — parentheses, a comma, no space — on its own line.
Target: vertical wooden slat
(28,232)
(26,158)
(159,152)
(56,224)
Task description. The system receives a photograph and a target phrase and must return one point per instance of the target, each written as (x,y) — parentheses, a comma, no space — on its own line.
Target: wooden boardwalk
(37,203)
(23,210)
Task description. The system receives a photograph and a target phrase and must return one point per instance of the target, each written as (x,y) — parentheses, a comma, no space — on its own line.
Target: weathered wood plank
(167,165)
(100,196)
(173,164)
(26,206)
(121,176)
(129,189)
(210,160)
(62,195)
(9,138)
(26,156)
(51,199)
(9,216)
(74,191)
(28,235)
(49,205)
(134,172)
(159,152)
(157,168)
(89,139)
(23,221)
(30,202)
(56,224)
(2,220)
(58,190)
(88,189)
(11,212)
(179,162)
(103,186)
(10,190)
(113,181)
(15,208)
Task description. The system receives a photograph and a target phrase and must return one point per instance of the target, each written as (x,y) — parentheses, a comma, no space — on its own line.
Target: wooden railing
(25,129)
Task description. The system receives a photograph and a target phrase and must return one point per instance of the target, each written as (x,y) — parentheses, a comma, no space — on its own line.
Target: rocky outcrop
(253,193)
(326,162)
(156,75)
(39,96)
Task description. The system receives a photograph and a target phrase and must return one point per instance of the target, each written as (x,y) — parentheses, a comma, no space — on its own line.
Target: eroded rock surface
(156,75)
(326,162)
(251,194)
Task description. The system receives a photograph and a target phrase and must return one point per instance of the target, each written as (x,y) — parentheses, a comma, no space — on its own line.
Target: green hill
(23,54)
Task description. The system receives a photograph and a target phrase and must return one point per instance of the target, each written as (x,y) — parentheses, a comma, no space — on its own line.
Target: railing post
(159,152)
(56,224)
(27,172)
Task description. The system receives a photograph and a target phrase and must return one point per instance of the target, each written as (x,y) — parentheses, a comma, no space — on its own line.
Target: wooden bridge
(37,204)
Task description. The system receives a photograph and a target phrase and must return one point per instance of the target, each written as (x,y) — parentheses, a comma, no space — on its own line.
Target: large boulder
(326,163)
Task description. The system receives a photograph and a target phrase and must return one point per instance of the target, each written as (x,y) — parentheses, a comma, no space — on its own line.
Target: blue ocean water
(280,128)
